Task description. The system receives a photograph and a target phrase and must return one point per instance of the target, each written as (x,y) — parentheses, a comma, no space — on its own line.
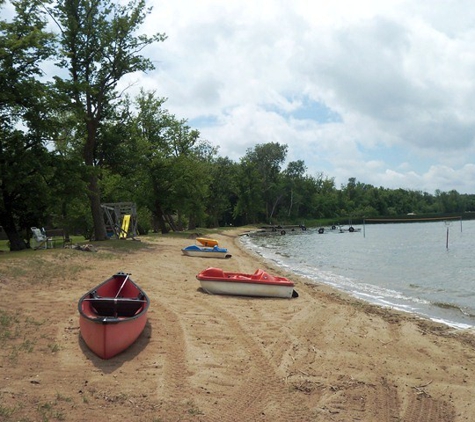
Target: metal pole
(123,284)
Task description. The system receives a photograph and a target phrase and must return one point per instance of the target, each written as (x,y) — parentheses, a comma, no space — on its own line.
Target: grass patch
(45,411)
(18,336)
(35,267)
(193,409)
(5,244)
(54,347)
(9,327)
(6,411)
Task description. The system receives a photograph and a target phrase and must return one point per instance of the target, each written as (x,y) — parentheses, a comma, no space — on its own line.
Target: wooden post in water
(447,223)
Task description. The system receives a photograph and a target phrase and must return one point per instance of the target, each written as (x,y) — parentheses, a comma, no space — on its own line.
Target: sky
(380,91)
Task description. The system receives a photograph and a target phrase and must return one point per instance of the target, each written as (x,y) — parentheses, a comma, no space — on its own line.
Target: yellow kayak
(207,242)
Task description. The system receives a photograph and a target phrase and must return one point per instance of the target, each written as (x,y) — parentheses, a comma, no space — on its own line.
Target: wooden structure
(120,219)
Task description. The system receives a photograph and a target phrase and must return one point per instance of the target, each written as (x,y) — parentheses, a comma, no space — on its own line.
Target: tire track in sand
(423,408)
(241,383)
(171,354)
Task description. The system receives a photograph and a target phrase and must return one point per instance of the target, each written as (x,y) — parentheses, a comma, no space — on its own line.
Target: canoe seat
(120,307)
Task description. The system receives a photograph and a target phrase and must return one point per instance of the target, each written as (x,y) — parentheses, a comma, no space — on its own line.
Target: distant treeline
(402,219)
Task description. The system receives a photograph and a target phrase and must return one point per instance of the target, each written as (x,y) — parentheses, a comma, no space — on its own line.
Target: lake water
(424,268)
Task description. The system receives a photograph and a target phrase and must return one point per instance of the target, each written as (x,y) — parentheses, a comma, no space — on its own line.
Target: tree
(250,203)
(265,161)
(189,178)
(294,175)
(24,123)
(174,165)
(222,191)
(99,47)
(321,197)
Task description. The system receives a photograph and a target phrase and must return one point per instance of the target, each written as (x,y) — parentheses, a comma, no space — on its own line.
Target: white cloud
(390,84)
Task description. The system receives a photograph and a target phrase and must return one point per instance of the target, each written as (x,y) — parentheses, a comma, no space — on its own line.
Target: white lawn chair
(40,238)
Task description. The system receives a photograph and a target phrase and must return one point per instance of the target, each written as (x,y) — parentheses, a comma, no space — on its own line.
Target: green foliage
(24,116)
(222,195)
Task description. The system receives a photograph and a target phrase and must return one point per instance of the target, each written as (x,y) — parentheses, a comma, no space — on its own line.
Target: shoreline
(345,295)
(441,313)
(202,358)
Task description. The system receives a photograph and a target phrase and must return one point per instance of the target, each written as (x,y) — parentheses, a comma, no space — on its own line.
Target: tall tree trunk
(100,232)
(94,193)
(274,207)
(160,218)
(191,222)
(17,243)
(171,222)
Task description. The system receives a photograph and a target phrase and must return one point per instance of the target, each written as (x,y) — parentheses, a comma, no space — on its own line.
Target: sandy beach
(323,356)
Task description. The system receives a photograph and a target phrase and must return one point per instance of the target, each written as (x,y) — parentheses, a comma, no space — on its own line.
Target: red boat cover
(260,277)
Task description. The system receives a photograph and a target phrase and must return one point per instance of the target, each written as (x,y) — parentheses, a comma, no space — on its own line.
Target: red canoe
(219,282)
(113,315)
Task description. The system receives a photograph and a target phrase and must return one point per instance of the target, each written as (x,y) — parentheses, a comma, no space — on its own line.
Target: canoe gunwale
(90,296)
